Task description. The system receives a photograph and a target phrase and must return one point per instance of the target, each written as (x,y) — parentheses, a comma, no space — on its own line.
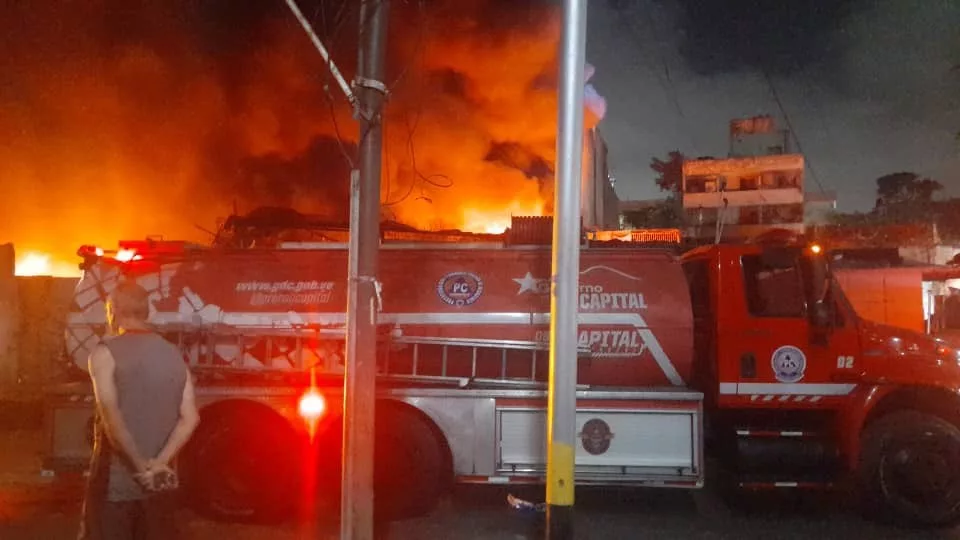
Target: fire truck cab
(801,392)
(749,353)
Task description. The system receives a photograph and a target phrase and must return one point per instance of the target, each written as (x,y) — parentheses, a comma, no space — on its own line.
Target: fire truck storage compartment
(636,437)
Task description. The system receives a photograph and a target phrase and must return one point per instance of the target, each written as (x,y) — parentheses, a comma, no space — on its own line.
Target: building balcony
(754,197)
(736,231)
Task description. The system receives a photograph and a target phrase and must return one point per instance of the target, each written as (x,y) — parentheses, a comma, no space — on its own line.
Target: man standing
(145,414)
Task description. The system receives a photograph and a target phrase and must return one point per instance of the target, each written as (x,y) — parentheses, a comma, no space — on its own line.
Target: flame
(495,219)
(34,263)
(178,119)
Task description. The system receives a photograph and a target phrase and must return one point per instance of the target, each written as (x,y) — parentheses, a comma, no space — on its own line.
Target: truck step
(786,484)
(754,482)
(776,434)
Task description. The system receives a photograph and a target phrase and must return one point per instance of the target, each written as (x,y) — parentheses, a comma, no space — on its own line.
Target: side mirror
(819,280)
(821,315)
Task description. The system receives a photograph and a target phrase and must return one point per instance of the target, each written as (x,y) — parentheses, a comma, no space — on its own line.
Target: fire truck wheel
(909,469)
(411,464)
(231,473)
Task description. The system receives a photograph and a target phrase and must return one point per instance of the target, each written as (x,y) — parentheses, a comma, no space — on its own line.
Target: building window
(750,215)
(749,183)
(772,292)
(782,213)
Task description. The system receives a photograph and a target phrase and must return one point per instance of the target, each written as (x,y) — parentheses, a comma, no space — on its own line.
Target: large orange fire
(33,263)
(496,219)
(169,125)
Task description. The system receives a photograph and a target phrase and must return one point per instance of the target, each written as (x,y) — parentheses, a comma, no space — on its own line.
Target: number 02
(844,362)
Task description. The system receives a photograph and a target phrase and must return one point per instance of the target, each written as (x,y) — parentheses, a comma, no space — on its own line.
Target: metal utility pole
(359,392)
(562,407)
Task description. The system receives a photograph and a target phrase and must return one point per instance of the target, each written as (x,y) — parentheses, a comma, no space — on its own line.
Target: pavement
(32,507)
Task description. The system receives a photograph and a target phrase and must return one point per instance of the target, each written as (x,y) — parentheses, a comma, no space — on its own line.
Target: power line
(669,89)
(796,136)
(419,178)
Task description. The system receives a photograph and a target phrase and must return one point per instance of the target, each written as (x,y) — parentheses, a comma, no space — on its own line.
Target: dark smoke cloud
(778,37)
(122,119)
(867,85)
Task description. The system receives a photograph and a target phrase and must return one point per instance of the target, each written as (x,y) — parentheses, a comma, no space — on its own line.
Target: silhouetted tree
(666,214)
(670,172)
(905,188)
(906,196)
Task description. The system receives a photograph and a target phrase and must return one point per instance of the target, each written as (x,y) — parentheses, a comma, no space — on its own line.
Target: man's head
(128,306)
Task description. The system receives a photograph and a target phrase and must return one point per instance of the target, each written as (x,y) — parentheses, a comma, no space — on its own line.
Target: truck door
(781,359)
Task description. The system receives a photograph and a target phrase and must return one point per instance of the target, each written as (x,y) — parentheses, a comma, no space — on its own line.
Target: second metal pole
(562,407)
(359,396)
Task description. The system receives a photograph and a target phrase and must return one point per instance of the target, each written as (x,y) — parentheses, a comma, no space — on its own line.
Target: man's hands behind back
(158,477)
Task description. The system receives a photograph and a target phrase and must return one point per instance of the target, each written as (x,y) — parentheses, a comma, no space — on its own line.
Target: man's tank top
(150,376)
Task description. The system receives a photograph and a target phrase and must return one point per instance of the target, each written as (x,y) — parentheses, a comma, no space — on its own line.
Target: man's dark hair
(131,301)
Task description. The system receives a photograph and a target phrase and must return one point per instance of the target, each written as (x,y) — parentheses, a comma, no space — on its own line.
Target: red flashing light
(127,255)
(816,249)
(312,405)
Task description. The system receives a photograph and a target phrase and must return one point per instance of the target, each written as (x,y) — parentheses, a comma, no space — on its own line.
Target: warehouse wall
(9,314)
(44,303)
(33,316)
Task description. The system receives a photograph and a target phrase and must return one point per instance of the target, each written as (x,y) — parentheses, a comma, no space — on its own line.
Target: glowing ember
(33,263)
(497,220)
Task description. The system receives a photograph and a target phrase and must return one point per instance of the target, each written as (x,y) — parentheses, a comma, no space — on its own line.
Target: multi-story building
(758,187)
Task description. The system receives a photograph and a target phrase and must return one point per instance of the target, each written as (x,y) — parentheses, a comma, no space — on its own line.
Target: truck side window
(698,280)
(772,292)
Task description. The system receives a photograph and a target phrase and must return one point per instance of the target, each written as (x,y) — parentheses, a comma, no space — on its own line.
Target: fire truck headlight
(948,354)
(312,405)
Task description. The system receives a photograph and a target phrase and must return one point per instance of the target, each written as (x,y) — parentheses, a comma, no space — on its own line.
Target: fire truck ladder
(403,359)
(467,362)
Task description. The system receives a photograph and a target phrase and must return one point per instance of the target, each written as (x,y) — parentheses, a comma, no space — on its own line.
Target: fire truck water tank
(636,326)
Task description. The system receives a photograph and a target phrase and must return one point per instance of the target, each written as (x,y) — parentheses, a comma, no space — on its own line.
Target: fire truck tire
(412,466)
(909,470)
(232,474)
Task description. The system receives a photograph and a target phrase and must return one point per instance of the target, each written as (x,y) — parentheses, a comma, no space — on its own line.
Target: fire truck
(746,353)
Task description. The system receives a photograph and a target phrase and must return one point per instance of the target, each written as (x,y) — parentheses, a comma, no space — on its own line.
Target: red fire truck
(747,352)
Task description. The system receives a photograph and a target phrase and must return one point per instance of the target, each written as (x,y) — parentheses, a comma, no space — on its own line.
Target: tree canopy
(666,214)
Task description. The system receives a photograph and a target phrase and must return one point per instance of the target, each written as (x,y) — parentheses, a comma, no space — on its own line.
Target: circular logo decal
(788,364)
(460,288)
(596,436)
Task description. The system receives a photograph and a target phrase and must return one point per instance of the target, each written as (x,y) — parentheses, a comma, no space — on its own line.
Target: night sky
(868,86)
(130,118)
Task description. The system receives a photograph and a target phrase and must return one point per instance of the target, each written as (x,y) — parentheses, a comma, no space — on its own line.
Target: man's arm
(189,419)
(102,368)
